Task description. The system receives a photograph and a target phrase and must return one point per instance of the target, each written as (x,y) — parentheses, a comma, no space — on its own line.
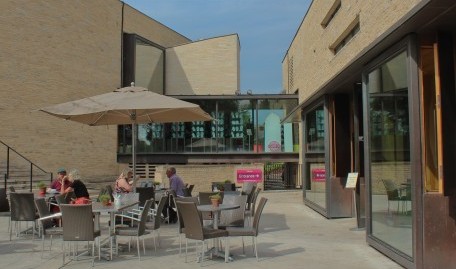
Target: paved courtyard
(292,236)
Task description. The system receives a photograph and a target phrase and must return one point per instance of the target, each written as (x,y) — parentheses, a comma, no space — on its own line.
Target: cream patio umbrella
(129,105)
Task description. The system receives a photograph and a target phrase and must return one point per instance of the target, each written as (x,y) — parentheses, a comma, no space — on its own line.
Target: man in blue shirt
(175,182)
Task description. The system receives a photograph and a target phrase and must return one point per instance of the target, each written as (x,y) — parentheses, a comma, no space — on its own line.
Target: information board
(352,178)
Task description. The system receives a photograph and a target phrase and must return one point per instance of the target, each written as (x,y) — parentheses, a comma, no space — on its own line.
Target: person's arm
(122,183)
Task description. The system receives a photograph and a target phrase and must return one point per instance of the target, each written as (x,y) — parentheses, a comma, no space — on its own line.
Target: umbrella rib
(99,117)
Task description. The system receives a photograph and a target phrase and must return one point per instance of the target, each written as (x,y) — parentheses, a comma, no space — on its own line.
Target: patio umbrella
(129,105)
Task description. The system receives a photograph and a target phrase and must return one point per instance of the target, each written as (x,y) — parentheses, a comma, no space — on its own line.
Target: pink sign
(318,175)
(249,175)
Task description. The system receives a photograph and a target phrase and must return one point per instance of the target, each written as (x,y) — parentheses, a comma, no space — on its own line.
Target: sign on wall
(318,175)
(249,175)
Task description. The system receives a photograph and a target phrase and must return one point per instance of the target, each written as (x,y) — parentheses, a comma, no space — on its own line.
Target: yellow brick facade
(61,50)
(314,63)
(203,67)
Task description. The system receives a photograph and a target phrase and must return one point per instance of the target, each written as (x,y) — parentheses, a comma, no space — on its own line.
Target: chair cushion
(240,231)
(209,233)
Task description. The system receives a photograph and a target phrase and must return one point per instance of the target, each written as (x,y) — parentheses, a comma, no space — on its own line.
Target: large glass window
(389,147)
(315,156)
(239,125)
(273,136)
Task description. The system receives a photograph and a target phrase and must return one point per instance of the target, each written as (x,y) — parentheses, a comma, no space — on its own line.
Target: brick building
(376,86)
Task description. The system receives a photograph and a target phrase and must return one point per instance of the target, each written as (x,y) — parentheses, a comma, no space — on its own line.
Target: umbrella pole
(133,151)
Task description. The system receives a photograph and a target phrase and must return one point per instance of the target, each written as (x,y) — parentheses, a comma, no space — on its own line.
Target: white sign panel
(352,178)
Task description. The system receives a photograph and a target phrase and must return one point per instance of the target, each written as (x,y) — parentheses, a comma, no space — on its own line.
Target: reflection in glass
(390,154)
(315,156)
(238,126)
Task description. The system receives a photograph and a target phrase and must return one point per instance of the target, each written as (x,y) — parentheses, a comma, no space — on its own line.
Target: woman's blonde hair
(74,175)
(126,171)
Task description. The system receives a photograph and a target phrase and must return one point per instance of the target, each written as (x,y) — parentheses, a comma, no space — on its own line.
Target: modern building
(57,51)
(376,85)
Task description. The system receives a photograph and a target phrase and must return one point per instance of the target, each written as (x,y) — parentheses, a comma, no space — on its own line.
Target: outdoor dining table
(216,210)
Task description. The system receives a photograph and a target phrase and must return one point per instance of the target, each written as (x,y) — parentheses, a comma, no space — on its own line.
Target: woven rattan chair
(394,193)
(194,228)
(235,217)
(22,209)
(4,206)
(145,193)
(46,225)
(138,231)
(251,208)
(79,225)
(181,225)
(156,219)
(252,230)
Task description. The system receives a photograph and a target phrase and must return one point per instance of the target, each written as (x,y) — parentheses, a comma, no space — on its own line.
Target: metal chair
(138,231)
(22,209)
(190,189)
(181,225)
(251,208)
(79,225)
(252,230)
(194,228)
(145,193)
(46,226)
(154,225)
(394,193)
(235,217)
(4,206)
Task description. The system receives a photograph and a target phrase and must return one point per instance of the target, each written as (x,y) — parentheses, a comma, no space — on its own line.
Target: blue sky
(265,28)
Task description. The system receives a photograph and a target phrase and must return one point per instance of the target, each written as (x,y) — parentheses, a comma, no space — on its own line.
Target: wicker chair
(235,217)
(395,194)
(156,218)
(47,224)
(194,228)
(79,225)
(181,226)
(251,207)
(138,231)
(252,230)
(145,193)
(22,209)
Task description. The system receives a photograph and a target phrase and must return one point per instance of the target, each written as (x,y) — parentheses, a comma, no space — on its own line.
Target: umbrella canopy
(129,105)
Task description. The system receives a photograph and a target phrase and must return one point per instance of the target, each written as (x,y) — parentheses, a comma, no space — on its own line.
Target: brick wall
(202,175)
(313,62)
(60,50)
(209,66)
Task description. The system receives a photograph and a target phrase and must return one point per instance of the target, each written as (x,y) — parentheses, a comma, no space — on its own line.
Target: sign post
(352,179)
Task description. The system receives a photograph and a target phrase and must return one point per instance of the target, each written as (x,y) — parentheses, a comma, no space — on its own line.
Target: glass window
(315,156)
(238,126)
(315,130)
(272,135)
(390,153)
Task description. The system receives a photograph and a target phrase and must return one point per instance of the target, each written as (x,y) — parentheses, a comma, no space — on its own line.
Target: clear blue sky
(265,28)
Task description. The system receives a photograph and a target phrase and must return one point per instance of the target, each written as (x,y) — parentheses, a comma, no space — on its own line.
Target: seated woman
(78,187)
(123,182)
